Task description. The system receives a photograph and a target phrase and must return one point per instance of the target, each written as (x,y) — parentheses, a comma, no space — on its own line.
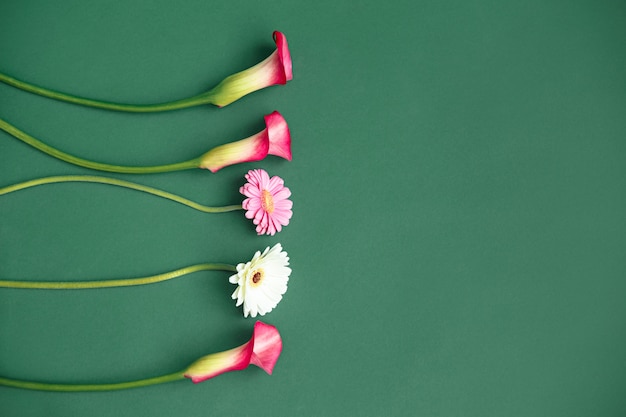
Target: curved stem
(43,386)
(119,183)
(204,98)
(37,144)
(81,285)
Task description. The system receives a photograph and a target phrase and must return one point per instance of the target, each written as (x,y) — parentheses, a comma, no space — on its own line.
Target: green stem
(81,285)
(26,138)
(197,100)
(119,183)
(43,386)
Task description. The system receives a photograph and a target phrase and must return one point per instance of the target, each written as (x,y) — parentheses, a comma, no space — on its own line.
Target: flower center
(267,202)
(257,276)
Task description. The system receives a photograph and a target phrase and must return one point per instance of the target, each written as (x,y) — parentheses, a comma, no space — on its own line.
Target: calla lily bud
(262,350)
(275,139)
(275,69)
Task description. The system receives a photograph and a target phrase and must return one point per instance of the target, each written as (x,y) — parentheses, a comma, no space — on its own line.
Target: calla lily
(275,69)
(262,350)
(275,139)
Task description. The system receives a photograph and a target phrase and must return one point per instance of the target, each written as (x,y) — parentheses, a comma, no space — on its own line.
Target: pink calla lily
(275,69)
(275,139)
(262,350)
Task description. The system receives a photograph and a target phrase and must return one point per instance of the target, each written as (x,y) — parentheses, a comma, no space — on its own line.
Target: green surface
(459,184)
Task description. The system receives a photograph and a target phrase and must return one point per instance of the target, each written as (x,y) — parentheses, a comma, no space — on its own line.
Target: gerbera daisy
(268,202)
(262,281)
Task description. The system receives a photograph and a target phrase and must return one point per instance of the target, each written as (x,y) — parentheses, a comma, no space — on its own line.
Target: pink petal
(283,54)
(250,190)
(249,214)
(254,177)
(271,229)
(264,179)
(260,217)
(276,224)
(267,346)
(282,217)
(283,194)
(279,135)
(252,203)
(283,206)
(275,185)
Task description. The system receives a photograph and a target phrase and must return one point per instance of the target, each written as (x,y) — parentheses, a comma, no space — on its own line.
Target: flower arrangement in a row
(260,282)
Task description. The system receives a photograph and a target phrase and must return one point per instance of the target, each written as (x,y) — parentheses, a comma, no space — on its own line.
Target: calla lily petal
(262,350)
(275,139)
(275,69)
(267,347)
(283,54)
(279,135)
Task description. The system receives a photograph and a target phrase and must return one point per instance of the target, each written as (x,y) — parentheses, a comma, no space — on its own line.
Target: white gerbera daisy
(262,281)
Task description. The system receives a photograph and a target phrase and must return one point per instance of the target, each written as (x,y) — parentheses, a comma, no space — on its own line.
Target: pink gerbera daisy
(268,202)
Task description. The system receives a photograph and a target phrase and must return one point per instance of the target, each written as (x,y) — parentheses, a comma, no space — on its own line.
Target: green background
(459,185)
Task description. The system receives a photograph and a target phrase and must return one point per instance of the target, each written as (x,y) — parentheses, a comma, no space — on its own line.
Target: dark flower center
(257,276)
